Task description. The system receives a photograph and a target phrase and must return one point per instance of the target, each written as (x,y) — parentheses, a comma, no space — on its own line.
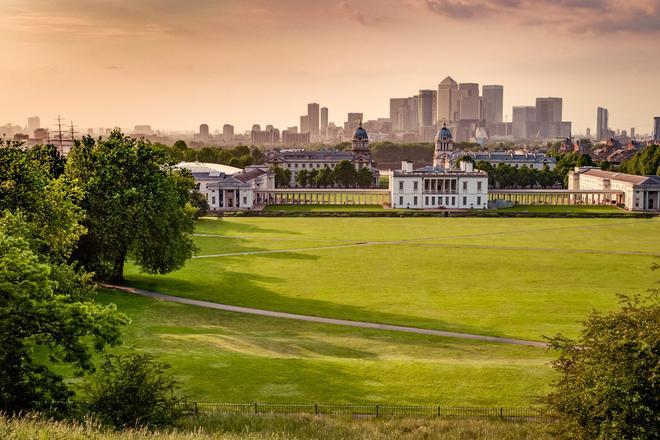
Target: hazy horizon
(174,64)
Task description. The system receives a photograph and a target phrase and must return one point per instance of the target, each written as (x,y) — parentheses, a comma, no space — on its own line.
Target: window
(414,186)
(401,201)
(464,186)
(400,186)
(447,200)
(426,200)
(415,200)
(432,200)
(464,201)
(453,200)
(296,165)
(479,200)
(478,186)
(212,200)
(244,201)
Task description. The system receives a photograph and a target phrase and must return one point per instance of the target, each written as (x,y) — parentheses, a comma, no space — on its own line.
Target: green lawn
(229,357)
(520,278)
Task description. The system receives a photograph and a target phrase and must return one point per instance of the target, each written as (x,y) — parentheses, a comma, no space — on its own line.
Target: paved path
(321,320)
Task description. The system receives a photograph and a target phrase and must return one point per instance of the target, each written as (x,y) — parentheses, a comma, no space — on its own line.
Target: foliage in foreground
(133,390)
(273,427)
(608,388)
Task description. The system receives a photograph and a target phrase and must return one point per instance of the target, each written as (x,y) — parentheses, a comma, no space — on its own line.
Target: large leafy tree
(608,386)
(137,205)
(364,177)
(345,174)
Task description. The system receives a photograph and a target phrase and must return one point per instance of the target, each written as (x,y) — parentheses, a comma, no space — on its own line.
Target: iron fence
(363,411)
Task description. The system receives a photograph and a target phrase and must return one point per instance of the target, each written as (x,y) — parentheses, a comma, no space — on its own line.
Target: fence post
(439,413)
(316,409)
(501,413)
(255,408)
(377,415)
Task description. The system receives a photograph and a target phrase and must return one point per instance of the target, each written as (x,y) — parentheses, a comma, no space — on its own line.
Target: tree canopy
(137,204)
(643,163)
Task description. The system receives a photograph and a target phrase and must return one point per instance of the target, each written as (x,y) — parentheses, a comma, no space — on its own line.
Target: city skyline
(235,62)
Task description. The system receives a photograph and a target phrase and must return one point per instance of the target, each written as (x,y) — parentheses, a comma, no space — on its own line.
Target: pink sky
(175,64)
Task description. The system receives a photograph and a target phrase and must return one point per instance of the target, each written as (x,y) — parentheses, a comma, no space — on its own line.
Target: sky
(175,64)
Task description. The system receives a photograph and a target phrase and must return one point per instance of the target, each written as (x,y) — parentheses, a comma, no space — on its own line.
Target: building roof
(622,177)
(249,175)
(360,134)
(320,155)
(431,171)
(211,169)
(505,156)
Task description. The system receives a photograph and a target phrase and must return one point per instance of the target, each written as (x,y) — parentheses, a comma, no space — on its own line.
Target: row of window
(439,200)
(416,186)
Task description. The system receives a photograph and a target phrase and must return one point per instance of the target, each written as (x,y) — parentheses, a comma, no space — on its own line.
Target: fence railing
(363,411)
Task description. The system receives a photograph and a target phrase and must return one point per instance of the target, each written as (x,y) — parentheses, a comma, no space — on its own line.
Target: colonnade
(558,197)
(292,197)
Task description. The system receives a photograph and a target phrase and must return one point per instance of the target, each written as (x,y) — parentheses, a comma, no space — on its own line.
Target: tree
(644,163)
(608,386)
(133,390)
(313,178)
(282,177)
(45,306)
(200,203)
(325,178)
(364,178)
(137,205)
(345,174)
(302,177)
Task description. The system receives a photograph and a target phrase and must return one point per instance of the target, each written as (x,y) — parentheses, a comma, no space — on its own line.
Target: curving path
(321,320)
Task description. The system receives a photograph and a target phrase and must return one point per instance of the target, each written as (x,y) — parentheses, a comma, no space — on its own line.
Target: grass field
(520,278)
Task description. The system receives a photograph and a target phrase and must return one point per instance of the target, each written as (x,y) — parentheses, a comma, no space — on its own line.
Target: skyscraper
(324,121)
(398,113)
(313,119)
(33,123)
(656,129)
(492,104)
(304,124)
(523,125)
(602,124)
(425,108)
(447,109)
(352,123)
(632,132)
(549,117)
(228,133)
(204,132)
(469,101)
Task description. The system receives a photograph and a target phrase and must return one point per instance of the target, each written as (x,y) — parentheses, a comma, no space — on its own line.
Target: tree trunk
(118,269)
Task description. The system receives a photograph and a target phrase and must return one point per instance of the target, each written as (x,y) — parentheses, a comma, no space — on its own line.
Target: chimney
(407,166)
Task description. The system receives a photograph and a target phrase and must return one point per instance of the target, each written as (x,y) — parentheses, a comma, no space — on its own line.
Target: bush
(133,390)
(608,388)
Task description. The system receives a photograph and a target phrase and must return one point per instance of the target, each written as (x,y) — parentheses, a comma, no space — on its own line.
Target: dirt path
(321,320)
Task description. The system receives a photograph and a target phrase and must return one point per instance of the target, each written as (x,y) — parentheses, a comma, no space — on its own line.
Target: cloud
(596,16)
(347,7)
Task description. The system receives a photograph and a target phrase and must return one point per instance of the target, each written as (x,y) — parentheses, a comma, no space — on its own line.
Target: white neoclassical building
(440,186)
(638,193)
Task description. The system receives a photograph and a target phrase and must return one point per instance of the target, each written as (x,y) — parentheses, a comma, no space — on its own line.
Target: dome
(360,134)
(444,133)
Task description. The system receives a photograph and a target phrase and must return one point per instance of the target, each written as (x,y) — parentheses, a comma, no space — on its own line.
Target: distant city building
(426,112)
(324,121)
(353,122)
(295,138)
(298,160)
(656,129)
(41,135)
(639,193)
(447,101)
(492,104)
(549,117)
(269,136)
(33,123)
(523,123)
(144,130)
(228,133)
(632,132)
(440,185)
(204,132)
(313,119)
(589,133)
(602,124)
(469,101)
(404,114)
(304,124)
(517,159)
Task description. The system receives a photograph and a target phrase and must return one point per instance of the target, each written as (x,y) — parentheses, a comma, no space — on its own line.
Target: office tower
(352,123)
(588,132)
(324,120)
(292,130)
(304,124)
(602,124)
(632,132)
(33,123)
(270,135)
(447,108)
(398,113)
(313,119)
(412,114)
(204,132)
(469,101)
(523,124)
(492,104)
(425,108)
(656,129)
(228,133)
(549,116)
